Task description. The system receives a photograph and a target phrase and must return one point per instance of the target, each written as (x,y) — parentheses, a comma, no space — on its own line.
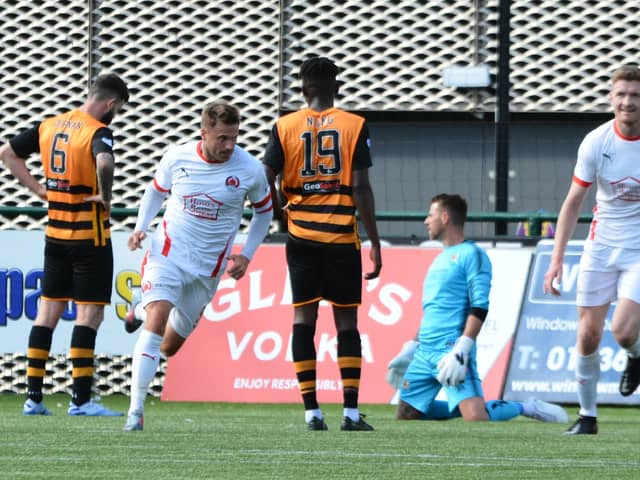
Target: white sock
(587,375)
(140,313)
(527,408)
(309,414)
(352,413)
(634,350)
(146,358)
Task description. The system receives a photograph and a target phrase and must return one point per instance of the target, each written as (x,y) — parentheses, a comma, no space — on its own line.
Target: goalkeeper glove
(453,367)
(398,364)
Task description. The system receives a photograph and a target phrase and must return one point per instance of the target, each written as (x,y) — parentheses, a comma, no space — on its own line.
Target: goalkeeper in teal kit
(455,302)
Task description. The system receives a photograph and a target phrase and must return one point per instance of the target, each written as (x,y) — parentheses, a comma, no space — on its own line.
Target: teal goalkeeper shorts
(420,385)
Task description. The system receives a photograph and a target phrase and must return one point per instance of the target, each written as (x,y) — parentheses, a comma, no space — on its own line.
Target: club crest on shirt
(232,183)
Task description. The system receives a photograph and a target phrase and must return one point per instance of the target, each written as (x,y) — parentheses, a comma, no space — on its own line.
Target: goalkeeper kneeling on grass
(455,301)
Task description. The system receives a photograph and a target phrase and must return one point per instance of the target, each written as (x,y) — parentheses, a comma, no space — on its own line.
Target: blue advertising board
(543,356)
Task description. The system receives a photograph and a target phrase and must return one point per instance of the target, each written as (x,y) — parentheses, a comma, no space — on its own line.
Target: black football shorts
(77,271)
(324,271)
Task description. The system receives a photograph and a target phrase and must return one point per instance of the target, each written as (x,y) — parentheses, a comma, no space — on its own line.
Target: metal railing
(534,219)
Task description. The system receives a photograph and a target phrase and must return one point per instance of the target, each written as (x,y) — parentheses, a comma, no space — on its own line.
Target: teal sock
(501,410)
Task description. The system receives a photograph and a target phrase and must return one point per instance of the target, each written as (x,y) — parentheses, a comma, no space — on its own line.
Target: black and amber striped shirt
(316,153)
(68,144)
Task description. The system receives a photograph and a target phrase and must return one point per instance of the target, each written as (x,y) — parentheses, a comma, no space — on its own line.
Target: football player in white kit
(206,183)
(609,156)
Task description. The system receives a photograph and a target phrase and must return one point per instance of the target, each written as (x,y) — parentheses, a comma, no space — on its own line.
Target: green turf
(231,441)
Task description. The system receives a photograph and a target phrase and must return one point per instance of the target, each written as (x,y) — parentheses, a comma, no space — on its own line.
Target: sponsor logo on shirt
(202,206)
(627,189)
(59,185)
(321,186)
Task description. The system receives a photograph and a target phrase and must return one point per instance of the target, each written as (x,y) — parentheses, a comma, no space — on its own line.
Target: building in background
(428,137)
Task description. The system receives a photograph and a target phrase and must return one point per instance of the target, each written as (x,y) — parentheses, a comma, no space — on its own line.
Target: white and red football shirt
(612,161)
(205,206)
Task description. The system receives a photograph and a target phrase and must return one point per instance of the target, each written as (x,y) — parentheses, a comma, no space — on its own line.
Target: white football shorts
(606,274)
(188,293)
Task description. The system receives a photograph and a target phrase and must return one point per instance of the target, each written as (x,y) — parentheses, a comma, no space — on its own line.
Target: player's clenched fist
(135,240)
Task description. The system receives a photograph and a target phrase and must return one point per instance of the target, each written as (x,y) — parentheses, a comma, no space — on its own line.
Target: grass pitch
(247,441)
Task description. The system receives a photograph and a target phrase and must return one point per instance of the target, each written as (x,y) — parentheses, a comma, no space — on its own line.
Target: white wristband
(464,344)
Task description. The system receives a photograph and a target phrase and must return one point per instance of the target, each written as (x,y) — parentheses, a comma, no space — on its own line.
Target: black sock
(304,360)
(83,342)
(350,363)
(37,355)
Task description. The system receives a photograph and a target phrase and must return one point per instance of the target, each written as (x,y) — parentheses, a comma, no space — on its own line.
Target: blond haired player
(608,157)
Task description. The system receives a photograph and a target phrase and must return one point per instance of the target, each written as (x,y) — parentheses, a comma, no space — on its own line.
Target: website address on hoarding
(565,386)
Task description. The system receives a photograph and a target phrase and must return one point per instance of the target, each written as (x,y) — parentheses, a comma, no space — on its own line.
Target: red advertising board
(241,348)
